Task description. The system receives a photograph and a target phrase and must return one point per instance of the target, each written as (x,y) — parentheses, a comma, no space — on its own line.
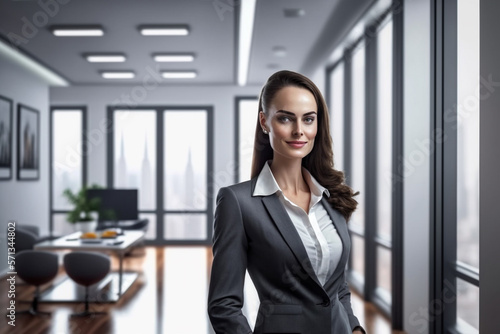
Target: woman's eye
(309,120)
(284,119)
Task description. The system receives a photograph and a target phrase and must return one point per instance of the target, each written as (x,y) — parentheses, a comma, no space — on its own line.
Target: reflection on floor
(169,297)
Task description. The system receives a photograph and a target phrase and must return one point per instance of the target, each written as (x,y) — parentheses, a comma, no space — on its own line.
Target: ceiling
(213,36)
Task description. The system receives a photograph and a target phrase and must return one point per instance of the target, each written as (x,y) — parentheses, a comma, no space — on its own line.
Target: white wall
(98,98)
(417,137)
(25,202)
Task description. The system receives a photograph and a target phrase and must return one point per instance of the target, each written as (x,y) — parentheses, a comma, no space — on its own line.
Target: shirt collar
(266,184)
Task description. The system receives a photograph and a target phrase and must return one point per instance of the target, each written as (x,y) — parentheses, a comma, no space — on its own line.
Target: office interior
(411,87)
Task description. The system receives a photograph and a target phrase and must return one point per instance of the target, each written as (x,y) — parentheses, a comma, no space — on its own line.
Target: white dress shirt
(316,229)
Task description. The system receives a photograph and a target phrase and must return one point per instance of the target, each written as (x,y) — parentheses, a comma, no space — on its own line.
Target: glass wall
(135,154)
(336,108)
(366,130)
(384,179)
(134,164)
(467,197)
(246,117)
(358,159)
(67,165)
(149,140)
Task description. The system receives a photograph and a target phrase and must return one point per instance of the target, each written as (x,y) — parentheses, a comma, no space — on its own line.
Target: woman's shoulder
(240,189)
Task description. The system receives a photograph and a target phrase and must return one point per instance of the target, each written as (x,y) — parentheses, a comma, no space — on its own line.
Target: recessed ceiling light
(173,57)
(294,12)
(77,31)
(117,74)
(279,51)
(164,30)
(179,74)
(105,58)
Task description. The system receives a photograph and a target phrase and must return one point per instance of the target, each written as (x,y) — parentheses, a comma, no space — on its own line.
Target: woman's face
(292,122)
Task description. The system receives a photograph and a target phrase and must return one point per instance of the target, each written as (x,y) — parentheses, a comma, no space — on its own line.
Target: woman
(287,226)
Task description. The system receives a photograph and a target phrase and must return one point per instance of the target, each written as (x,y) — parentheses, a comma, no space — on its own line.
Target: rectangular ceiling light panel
(118,75)
(105,58)
(164,30)
(171,57)
(179,74)
(77,31)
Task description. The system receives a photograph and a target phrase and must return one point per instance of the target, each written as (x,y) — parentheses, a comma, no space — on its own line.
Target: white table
(120,245)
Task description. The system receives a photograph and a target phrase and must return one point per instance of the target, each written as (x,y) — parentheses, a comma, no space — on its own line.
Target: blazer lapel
(289,233)
(341,226)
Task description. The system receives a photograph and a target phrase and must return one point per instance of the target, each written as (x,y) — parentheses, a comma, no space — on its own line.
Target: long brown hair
(320,161)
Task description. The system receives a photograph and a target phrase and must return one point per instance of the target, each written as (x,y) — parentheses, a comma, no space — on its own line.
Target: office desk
(113,286)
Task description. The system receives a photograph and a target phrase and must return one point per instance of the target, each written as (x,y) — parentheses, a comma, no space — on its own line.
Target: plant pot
(86,226)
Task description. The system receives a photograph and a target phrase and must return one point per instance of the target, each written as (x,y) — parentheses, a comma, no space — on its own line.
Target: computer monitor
(122,203)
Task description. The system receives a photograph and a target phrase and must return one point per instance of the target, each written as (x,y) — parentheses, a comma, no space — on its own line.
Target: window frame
(237,101)
(368,287)
(160,211)
(53,108)
(444,267)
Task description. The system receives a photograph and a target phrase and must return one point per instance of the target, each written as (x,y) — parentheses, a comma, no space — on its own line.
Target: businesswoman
(287,226)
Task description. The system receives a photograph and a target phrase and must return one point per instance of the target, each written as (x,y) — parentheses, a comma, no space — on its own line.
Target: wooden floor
(169,297)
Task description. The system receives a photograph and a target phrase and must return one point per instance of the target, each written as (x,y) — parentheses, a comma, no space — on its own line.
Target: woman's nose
(297,131)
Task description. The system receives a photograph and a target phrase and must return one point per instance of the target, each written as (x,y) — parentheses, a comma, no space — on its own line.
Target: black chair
(36,268)
(25,240)
(27,236)
(29,228)
(86,268)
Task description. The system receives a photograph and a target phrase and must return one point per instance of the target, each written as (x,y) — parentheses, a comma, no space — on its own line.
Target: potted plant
(84,210)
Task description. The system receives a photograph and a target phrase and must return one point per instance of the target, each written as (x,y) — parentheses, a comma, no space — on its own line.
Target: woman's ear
(262,120)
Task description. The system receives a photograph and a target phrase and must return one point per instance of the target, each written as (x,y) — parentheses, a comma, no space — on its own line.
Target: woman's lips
(296,144)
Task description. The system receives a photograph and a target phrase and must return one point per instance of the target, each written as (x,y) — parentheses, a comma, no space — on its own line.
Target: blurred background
(161,96)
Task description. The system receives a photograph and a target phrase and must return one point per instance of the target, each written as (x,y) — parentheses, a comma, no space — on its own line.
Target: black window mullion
(380,242)
(436,164)
(347,58)
(160,168)
(467,273)
(370,195)
(443,199)
(110,152)
(449,159)
(51,171)
(397,164)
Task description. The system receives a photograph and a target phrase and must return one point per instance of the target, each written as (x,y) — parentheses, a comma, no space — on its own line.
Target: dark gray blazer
(256,233)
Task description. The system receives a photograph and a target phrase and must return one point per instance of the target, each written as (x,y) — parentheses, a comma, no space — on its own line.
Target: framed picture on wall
(5,138)
(28,143)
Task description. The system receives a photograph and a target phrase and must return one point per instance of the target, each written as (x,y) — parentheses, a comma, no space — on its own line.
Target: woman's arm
(345,299)
(225,296)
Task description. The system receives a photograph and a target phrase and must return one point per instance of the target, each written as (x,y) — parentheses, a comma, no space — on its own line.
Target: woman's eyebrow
(292,114)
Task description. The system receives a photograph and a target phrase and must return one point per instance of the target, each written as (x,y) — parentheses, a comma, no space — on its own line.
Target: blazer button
(326,303)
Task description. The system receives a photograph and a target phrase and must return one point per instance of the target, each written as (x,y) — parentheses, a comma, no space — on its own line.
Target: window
(364,102)
(356,179)
(185,174)
(153,152)
(383,179)
(134,161)
(467,197)
(246,120)
(456,185)
(68,162)
(336,107)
